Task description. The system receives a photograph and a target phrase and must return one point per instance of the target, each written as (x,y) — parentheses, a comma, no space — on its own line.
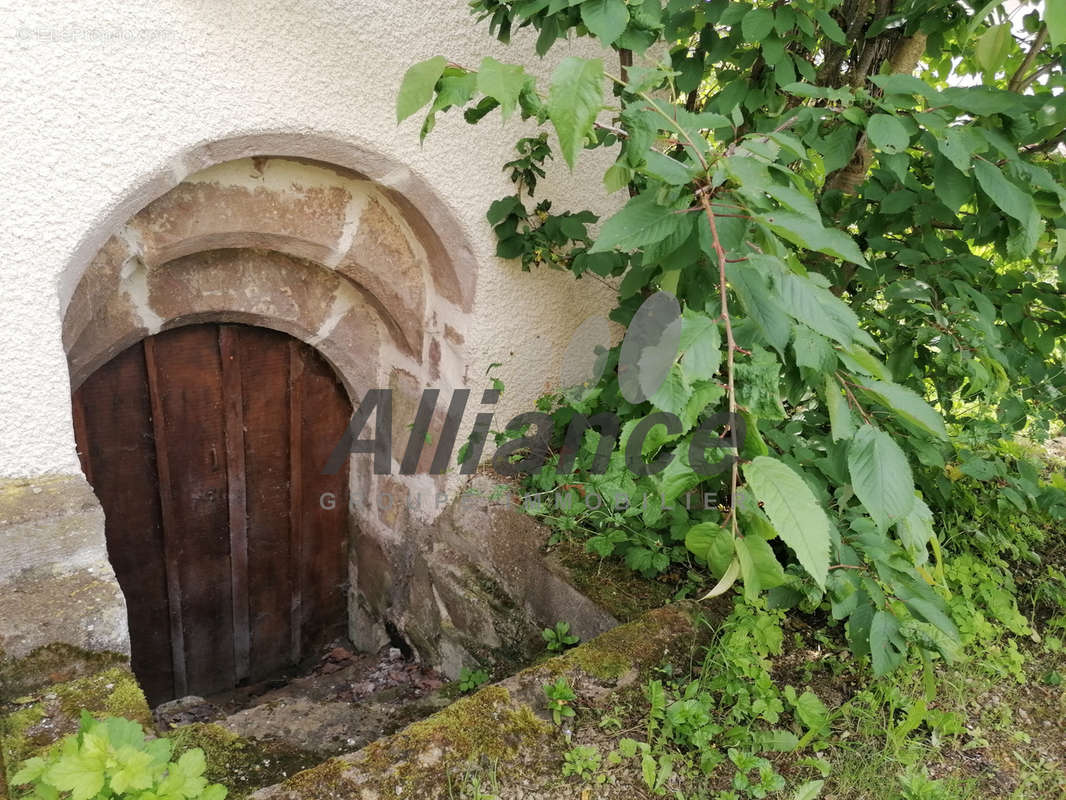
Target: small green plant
(471,680)
(582,761)
(474,784)
(560,696)
(110,759)
(755,776)
(559,638)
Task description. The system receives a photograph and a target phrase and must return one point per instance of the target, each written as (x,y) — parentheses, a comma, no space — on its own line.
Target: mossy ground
(51,664)
(241,765)
(33,722)
(610,584)
(487,727)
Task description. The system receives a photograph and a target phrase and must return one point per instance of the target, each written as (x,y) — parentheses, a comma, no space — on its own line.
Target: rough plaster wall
(103,98)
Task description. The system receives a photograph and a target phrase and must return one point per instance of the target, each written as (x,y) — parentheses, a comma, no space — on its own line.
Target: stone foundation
(56,584)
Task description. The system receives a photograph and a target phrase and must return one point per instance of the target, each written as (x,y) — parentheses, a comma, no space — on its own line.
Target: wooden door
(205,446)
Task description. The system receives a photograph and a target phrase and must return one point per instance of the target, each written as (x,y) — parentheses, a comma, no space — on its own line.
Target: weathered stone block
(56,584)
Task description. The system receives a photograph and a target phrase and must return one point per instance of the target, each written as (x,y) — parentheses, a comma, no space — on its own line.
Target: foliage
(582,761)
(861,211)
(110,758)
(560,696)
(559,638)
(472,679)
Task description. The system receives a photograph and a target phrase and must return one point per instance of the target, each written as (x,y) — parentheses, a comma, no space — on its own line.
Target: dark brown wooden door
(205,445)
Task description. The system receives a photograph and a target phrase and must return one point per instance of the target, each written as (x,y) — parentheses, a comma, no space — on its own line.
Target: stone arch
(353,255)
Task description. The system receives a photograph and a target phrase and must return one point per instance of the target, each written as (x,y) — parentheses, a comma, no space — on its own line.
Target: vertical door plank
(171,530)
(324,415)
(189,389)
(233,402)
(205,445)
(264,360)
(115,438)
(296,500)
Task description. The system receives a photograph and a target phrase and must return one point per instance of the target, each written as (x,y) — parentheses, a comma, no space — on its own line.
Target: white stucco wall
(104,99)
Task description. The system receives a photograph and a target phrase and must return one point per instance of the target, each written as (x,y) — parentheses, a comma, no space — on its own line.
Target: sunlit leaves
(502,82)
(887,133)
(1013,201)
(908,405)
(110,759)
(811,234)
(881,476)
(417,87)
(640,223)
(605,19)
(992,47)
(1055,19)
(794,512)
(574,101)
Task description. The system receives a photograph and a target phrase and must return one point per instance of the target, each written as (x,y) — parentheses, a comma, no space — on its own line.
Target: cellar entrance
(205,445)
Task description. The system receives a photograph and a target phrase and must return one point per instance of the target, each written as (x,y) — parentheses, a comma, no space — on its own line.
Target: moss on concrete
(498,728)
(637,645)
(241,765)
(33,723)
(486,727)
(49,665)
(610,584)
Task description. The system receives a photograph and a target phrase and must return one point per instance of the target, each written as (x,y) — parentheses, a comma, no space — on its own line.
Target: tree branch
(731,349)
(1016,82)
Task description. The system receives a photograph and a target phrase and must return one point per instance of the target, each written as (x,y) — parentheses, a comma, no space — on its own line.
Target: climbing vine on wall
(860,208)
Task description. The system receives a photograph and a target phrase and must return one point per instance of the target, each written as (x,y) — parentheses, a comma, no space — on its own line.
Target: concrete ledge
(56,583)
(504,725)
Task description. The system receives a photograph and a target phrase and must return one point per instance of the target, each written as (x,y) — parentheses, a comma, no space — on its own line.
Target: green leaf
(811,711)
(712,544)
(765,311)
(803,231)
(952,187)
(813,350)
(641,222)
(1013,201)
(908,405)
(574,100)
(605,19)
(758,566)
(809,791)
(192,763)
(915,531)
(672,396)
(668,170)
(1055,18)
(417,87)
(900,83)
(83,777)
(887,646)
(992,48)
(757,24)
(794,512)
(817,308)
(31,770)
(502,82)
(701,344)
(841,420)
(829,27)
(135,772)
(887,133)
(881,476)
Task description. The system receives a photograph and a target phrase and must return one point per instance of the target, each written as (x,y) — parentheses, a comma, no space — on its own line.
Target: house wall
(111,105)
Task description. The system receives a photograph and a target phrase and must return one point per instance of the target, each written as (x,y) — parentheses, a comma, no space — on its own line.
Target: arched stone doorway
(205,446)
(345,264)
